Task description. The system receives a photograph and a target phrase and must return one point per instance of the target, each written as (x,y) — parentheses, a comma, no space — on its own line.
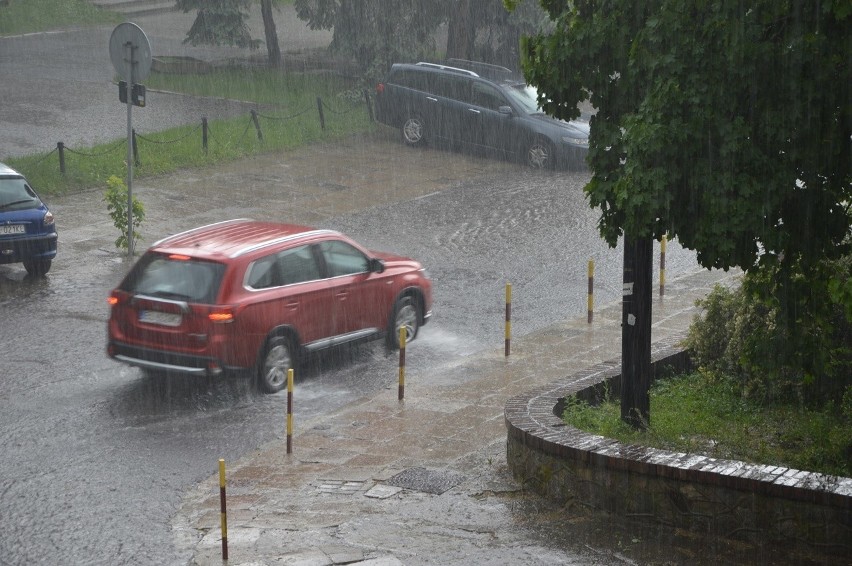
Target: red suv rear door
(286,288)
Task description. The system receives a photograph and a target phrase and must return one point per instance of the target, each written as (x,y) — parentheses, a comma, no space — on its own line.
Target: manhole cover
(428,481)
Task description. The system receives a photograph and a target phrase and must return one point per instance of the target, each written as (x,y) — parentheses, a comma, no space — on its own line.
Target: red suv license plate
(162,318)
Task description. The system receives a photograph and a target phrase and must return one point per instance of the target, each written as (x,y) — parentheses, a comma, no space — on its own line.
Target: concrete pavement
(424,480)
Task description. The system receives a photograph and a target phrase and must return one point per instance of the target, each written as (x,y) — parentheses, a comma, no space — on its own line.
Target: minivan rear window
(175,277)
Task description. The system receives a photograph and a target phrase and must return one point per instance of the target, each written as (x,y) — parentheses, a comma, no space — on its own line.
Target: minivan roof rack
(448,68)
(480,67)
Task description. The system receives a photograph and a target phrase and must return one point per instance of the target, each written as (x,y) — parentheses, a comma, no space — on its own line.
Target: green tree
(270,32)
(115,198)
(725,124)
(378,33)
(219,22)
(484,30)
(223,22)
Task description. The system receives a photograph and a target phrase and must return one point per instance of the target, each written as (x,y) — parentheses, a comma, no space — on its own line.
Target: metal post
(369,106)
(290,411)
(508,319)
(60,147)
(135,149)
(223,509)
(402,339)
(321,115)
(129,50)
(591,299)
(663,265)
(256,124)
(204,133)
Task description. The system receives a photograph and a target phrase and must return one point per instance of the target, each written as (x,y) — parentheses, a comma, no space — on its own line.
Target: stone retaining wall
(716,497)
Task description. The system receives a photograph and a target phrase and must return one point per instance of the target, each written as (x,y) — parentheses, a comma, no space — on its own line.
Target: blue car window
(16,194)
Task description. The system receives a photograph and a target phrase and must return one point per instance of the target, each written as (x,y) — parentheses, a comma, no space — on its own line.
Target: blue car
(27,227)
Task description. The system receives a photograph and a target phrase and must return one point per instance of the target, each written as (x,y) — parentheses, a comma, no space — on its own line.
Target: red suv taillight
(380,88)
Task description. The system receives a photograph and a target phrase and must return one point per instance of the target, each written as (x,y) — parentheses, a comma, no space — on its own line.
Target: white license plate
(162,318)
(12,229)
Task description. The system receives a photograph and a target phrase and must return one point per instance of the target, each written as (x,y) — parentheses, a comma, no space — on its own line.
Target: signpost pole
(130,52)
(129,58)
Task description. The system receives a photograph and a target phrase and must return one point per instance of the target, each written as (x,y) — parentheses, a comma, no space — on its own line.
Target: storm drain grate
(428,481)
(342,487)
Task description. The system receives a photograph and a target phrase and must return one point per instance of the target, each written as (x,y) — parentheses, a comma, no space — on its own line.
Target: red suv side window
(288,267)
(343,259)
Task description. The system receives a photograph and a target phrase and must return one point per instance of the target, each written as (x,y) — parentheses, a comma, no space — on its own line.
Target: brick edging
(542,447)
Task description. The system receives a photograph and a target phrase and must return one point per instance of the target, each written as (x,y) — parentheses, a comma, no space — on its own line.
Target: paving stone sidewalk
(424,480)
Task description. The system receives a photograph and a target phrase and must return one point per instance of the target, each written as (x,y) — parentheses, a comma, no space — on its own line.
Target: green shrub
(780,342)
(116,198)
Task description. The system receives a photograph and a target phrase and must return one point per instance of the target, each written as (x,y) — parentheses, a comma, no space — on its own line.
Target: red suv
(245,295)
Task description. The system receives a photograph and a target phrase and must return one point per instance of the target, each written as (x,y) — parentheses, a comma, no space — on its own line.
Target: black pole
(60,147)
(369,106)
(636,332)
(256,125)
(321,116)
(204,133)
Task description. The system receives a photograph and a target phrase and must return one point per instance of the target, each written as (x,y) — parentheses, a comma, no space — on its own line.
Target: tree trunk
(461,32)
(636,332)
(270,33)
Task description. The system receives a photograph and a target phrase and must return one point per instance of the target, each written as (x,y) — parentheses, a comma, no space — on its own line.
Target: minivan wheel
(540,154)
(414,131)
(405,314)
(278,357)
(37,267)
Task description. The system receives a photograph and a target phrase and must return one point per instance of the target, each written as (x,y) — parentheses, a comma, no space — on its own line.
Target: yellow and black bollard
(224,514)
(508,318)
(402,339)
(591,300)
(663,265)
(290,411)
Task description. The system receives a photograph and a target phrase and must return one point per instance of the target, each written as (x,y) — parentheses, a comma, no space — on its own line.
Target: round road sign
(129,44)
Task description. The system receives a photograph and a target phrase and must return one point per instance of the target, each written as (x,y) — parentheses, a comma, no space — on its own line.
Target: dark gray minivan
(478,106)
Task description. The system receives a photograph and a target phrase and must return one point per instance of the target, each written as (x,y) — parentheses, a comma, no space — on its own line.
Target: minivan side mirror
(376,265)
(507,110)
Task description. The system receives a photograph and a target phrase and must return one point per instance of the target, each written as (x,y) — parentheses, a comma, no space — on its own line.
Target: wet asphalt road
(96,457)
(60,86)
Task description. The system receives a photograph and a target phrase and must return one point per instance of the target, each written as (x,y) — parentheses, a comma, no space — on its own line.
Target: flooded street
(96,456)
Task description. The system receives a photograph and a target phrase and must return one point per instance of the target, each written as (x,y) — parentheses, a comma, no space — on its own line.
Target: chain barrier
(353,107)
(51,152)
(163,142)
(207,132)
(283,118)
(117,144)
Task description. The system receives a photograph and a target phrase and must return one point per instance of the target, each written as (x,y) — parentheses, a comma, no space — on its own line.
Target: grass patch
(27,16)
(293,122)
(264,86)
(701,414)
